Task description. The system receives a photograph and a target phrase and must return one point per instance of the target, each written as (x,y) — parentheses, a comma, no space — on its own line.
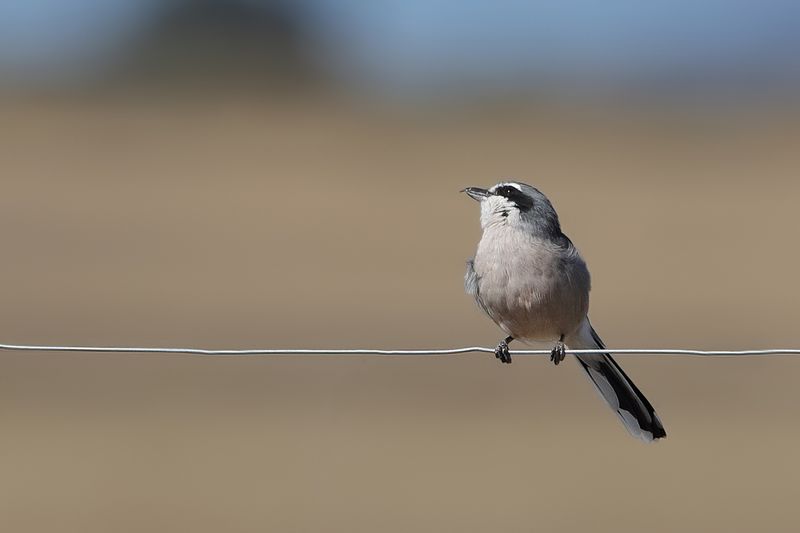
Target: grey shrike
(530,279)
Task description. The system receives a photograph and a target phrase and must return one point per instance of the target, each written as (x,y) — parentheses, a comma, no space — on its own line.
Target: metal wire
(384,353)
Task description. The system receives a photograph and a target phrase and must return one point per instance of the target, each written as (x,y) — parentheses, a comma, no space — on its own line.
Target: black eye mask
(520,199)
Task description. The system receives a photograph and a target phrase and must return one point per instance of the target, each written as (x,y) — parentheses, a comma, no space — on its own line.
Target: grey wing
(472,285)
(471,279)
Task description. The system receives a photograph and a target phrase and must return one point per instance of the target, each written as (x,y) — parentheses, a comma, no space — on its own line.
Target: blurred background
(263,174)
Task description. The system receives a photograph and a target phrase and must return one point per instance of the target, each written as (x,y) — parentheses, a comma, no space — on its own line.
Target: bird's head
(516,205)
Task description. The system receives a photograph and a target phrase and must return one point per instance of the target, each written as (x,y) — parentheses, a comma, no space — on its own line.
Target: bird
(533,283)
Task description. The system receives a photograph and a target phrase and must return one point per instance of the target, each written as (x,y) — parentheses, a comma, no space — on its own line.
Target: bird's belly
(542,321)
(535,306)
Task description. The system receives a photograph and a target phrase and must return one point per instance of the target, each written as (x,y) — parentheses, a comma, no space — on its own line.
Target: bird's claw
(502,353)
(559,353)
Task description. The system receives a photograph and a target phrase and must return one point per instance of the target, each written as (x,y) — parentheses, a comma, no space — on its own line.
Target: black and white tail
(616,388)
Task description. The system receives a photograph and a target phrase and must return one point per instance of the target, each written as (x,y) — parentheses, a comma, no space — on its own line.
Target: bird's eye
(520,199)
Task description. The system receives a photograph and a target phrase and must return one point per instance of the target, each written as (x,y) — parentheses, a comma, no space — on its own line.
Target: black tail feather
(622,394)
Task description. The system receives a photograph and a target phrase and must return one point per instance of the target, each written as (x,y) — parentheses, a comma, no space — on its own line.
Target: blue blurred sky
(43,39)
(430,44)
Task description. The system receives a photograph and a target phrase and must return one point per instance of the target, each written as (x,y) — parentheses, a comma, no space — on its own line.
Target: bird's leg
(501,352)
(559,351)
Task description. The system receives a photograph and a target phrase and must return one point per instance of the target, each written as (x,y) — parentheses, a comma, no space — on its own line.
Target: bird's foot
(559,352)
(502,353)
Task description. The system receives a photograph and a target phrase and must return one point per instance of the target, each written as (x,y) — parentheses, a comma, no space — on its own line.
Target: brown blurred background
(206,191)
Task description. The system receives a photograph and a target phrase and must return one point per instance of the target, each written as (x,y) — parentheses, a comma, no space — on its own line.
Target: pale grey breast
(532,288)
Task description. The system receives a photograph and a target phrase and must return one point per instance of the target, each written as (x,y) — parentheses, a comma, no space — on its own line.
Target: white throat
(497,211)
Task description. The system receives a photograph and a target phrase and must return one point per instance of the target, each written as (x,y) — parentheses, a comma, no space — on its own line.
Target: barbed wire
(387,353)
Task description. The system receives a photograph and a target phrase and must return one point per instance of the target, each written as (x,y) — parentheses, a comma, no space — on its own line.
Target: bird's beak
(476,193)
